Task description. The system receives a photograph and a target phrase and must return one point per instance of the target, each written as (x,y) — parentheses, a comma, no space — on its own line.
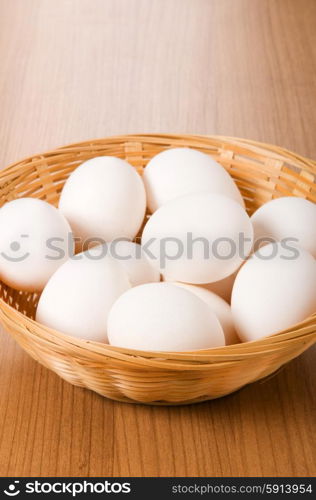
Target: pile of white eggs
(202,274)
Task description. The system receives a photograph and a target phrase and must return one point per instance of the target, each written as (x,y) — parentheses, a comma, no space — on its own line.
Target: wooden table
(75,69)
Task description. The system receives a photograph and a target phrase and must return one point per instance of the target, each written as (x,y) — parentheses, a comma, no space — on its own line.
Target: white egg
(219,307)
(35,239)
(104,199)
(287,217)
(274,289)
(163,317)
(199,238)
(78,297)
(133,260)
(180,171)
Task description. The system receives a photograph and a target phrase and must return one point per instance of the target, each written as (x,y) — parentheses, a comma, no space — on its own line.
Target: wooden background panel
(74,69)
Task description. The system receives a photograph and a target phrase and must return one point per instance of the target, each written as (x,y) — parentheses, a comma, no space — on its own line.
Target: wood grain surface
(78,69)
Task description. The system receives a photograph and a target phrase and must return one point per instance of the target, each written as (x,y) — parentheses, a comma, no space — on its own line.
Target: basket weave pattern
(262,172)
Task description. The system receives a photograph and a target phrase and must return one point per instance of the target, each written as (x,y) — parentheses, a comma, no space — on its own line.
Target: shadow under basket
(262,172)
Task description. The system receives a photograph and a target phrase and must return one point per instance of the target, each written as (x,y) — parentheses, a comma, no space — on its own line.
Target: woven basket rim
(274,150)
(203,357)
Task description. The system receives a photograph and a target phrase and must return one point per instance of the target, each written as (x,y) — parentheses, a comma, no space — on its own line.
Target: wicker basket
(262,172)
